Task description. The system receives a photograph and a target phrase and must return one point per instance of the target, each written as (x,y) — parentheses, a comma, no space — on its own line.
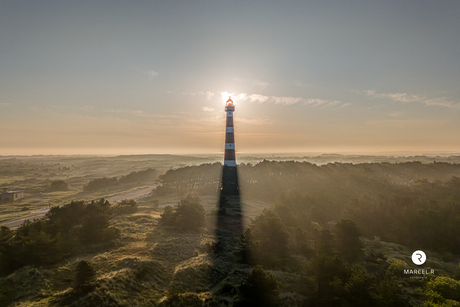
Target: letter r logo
(418,257)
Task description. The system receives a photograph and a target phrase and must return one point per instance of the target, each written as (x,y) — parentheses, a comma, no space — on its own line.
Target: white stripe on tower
(230,158)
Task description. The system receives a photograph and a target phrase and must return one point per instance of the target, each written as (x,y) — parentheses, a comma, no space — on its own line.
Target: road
(41,213)
(17,222)
(131,194)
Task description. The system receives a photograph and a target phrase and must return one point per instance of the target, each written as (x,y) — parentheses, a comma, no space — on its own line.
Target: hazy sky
(306,76)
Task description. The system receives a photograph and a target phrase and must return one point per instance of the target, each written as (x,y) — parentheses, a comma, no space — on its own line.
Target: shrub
(190,214)
(85,274)
(100,183)
(259,289)
(59,185)
(168,217)
(126,206)
(93,227)
(247,246)
(390,294)
(457,272)
(348,241)
(267,241)
(397,267)
(187,215)
(59,234)
(449,288)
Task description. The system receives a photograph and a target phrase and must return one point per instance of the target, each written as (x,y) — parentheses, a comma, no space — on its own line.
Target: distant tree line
(201,180)
(133,177)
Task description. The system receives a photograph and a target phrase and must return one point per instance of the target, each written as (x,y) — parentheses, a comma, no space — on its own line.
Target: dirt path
(17,222)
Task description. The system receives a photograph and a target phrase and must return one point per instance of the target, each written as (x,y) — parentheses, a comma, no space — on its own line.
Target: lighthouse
(229,158)
(229,219)
(229,172)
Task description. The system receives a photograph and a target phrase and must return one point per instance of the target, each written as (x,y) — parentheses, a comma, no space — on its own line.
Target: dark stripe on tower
(229,138)
(229,121)
(229,154)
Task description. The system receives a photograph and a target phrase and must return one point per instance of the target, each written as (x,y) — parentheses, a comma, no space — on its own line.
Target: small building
(6,195)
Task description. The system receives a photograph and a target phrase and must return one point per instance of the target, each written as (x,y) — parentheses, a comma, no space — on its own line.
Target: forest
(409,203)
(332,223)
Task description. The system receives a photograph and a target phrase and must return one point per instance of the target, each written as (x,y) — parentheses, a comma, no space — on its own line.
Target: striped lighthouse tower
(229,158)
(229,171)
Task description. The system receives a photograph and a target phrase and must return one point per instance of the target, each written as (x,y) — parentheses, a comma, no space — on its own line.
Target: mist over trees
(320,216)
(409,203)
(201,180)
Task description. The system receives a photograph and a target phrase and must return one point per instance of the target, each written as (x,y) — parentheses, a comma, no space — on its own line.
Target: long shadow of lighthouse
(228,229)
(229,218)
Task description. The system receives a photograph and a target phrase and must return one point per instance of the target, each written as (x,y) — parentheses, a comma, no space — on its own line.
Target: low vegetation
(260,288)
(59,185)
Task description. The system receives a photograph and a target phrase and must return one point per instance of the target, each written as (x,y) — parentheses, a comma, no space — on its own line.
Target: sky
(139,77)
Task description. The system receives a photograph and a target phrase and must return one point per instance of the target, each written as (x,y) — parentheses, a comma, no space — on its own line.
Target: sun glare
(225,96)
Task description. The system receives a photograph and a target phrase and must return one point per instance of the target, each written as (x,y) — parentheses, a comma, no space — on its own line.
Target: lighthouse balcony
(230,108)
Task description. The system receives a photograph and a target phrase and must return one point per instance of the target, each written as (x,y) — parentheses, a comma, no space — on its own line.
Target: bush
(85,275)
(187,215)
(457,272)
(397,267)
(260,289)
(59,185)
(348,241)
(126,206)
(168,217)
(100,183)
(190,214)
(390,294)
(247,246)
(267,240)
(59,234)
(449,288)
